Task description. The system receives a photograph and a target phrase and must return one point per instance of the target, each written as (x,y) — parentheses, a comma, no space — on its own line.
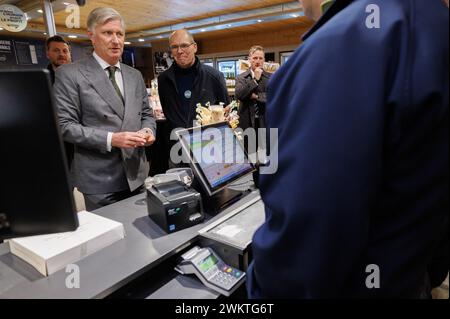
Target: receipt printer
(174,206)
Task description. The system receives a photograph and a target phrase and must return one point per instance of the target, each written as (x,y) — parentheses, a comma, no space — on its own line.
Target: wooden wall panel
(160,46)
(144,63)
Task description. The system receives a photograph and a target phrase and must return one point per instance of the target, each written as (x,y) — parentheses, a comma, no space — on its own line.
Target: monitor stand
(213,205)
(218,202)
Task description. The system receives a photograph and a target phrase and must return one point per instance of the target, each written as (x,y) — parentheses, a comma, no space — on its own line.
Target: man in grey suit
(103,110)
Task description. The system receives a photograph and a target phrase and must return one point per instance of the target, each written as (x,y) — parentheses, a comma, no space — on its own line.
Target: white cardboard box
(50,253)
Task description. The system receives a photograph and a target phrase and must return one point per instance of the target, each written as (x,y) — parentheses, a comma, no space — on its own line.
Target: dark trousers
(256,124)
(69,153)
(260,138)
(96,201)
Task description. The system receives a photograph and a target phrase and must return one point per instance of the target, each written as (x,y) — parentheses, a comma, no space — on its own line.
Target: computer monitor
(216,156)
(35,196)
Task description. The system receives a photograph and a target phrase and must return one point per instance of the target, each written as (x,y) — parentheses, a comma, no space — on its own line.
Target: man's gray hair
(255,48)
(102,16)
(190,37)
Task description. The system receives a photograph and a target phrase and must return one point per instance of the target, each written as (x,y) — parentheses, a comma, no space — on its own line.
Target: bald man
(188,82)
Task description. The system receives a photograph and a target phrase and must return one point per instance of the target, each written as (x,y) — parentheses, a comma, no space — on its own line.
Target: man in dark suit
(58,53)
(360,202)
(104,111)
(251,91)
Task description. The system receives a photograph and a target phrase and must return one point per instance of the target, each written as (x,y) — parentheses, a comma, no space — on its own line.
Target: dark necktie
(256,102)
(256,110)
(112,78)
(256,107)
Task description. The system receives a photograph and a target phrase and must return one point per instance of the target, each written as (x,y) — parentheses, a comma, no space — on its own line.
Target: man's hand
(254,96)
(226,110)
(147,134)
(258,73)
(128,140)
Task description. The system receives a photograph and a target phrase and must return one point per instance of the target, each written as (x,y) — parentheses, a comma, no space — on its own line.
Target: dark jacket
(68,146)
(363,121)
(245,86)
(209,86)
(52,73)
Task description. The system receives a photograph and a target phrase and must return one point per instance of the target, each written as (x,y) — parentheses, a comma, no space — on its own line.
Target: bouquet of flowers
(210,114)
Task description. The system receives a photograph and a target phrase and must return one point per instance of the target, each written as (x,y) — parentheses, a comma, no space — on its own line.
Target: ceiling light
(40,11)
(66,4)
(1,29)
(229,25)
(203,30)
(141,40)
(73,36)
(259,21)
(45,33)
(127,42)
(294,15)
(159,36)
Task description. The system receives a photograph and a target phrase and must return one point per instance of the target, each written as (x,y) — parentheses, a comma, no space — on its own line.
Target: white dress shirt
(253,76)
(119,81)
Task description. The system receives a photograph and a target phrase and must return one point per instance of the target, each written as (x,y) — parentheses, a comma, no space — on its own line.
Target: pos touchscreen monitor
(35,196)
(215,155)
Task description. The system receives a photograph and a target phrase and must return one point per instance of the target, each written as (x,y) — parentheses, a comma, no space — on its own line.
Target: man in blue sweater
(188,82)
(362,111)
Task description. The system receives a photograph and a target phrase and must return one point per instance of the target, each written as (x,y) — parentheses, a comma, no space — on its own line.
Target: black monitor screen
(35,196)
(216,155)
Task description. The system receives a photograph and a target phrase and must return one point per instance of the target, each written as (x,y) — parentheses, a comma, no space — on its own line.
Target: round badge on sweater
(187,94)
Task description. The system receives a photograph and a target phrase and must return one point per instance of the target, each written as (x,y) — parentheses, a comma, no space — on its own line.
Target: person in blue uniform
(362,112)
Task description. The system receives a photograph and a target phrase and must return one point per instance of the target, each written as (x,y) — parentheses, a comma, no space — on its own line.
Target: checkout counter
(142,264)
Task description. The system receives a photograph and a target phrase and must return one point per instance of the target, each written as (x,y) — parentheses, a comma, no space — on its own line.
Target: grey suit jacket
(89,108)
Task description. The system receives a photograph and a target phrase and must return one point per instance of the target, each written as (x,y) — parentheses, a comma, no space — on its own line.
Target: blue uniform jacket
(363,176)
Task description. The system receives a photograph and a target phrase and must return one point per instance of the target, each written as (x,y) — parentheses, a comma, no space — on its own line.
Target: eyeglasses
(182,46)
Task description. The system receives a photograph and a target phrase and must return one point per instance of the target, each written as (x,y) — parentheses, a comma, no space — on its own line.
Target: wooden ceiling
(147,14)
(300,22)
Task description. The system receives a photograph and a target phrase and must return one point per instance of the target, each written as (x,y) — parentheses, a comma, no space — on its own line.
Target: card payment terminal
(211,270)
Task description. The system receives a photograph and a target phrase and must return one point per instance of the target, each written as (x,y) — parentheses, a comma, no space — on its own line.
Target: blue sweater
(363,176)
(185,79)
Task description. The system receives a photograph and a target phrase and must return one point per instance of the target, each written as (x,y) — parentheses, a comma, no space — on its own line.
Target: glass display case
(209,62)
(228,68)
(284,56)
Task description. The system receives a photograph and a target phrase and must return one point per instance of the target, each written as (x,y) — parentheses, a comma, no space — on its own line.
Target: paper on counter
(229,231)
